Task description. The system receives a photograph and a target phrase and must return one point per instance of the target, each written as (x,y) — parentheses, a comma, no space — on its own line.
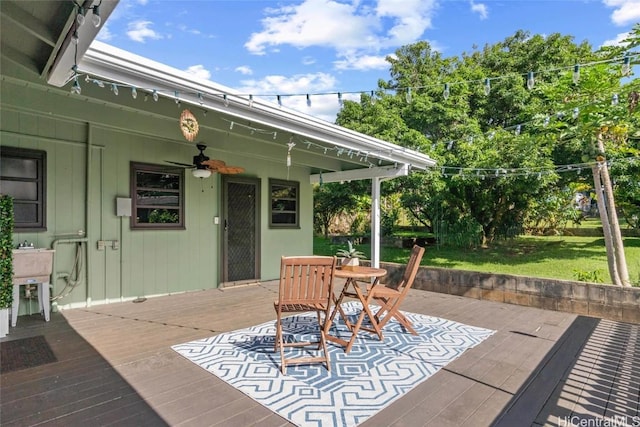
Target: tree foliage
(332,199)
(495,174)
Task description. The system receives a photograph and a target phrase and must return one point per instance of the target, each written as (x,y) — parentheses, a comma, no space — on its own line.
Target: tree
(329,201)
(600,125)
(440,107)
(494,173)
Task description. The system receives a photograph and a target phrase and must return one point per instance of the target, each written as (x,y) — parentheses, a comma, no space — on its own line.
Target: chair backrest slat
(306,279)
(412,269)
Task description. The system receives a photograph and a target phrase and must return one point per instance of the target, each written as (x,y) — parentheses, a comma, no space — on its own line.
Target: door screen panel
(241,231)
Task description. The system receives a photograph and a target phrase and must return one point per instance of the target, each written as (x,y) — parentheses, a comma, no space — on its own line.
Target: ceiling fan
(203,166)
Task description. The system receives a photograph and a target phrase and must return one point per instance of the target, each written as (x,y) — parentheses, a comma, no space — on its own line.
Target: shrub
(595,276)
(6,251)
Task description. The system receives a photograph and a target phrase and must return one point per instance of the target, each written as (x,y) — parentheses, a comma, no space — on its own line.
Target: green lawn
(535,256)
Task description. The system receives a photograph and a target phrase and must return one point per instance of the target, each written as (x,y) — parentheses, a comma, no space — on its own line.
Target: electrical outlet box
(216,220)
(115,245)
(123,206)
(101,245)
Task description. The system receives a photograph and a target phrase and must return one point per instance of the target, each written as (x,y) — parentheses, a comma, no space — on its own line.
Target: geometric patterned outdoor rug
(373,375)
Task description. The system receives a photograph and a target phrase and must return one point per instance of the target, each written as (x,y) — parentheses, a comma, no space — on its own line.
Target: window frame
(40,157)
(284,183)
(136,167)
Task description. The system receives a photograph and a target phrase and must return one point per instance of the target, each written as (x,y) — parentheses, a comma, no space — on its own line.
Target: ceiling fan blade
(214,164)
(230,170)
(185,165)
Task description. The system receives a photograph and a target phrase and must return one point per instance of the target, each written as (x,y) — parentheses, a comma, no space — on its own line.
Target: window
(23,177)
(157,197)
(285,204)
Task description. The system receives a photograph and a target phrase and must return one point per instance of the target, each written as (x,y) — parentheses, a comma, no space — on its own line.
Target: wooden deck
(115,367)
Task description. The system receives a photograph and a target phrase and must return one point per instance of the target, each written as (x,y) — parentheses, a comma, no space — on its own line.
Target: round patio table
(351,289)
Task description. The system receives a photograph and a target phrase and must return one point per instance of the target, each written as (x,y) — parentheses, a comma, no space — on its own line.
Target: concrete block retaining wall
(589,299)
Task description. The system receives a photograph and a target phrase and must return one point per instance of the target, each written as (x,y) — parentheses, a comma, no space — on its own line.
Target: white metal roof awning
(115,65)
(358,174)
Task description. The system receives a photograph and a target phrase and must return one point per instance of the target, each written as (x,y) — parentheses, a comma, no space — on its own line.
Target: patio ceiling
(36,34)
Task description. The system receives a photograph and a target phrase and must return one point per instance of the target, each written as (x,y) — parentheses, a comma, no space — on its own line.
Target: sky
(270,47)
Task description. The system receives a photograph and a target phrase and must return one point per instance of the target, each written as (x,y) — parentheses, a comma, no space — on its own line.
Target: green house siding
(82,188)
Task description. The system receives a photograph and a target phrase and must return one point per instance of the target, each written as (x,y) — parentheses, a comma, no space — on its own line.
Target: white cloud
(626,11)
(345,27)
(362,63)
(244,69)
(322,106)
(140,31)
(617,41)
(199,71)
(481,9)
(104,34)
(411,19)
(308,60)
(186,29)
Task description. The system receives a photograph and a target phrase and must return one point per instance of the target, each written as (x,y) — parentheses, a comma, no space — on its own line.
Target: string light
(446,92)
(490,134)
(576,74)
(81,13)
(614,99)
(530,80)
(95,19)
(487,87)
(626,65)
(290,146)
(409,98)
(76,89)
(530,77)
(114,89)
(80,16)
(74,37)
(134,92)
(453,171)
(308,101)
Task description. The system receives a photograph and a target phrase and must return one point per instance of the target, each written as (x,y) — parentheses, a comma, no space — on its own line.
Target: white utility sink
(32,266)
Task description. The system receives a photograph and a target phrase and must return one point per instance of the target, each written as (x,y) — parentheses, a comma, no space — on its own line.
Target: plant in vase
(350,257)
(6,261)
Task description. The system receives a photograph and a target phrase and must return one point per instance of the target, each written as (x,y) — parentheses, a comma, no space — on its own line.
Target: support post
(375,222)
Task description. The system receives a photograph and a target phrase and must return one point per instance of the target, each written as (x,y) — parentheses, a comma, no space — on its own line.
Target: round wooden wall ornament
(189,125)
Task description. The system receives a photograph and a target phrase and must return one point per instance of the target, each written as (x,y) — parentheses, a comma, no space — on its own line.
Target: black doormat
(25,353)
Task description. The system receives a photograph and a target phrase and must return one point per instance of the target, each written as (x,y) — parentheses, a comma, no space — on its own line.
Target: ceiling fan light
(201,173)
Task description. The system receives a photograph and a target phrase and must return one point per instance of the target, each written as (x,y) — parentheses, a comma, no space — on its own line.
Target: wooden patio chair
(390,298)
(306,284)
